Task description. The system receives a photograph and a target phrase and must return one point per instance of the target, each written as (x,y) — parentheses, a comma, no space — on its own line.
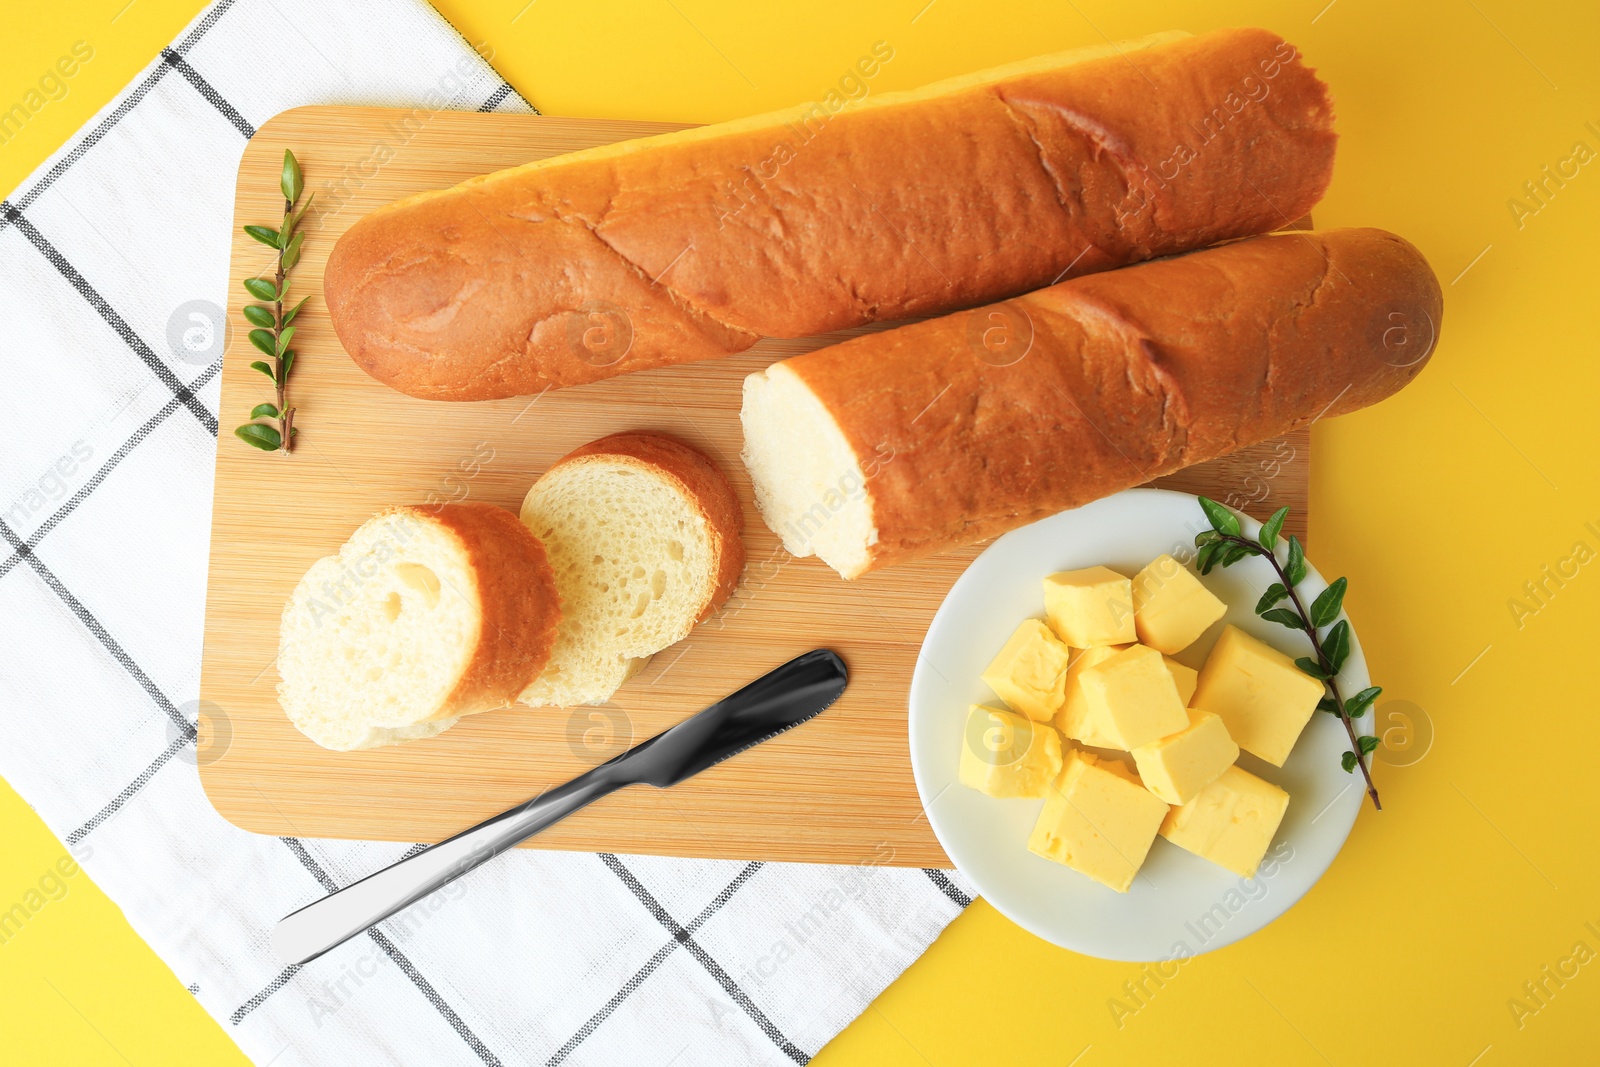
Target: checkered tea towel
(113,276)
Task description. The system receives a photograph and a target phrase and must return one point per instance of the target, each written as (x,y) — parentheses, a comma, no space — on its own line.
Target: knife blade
(778,701)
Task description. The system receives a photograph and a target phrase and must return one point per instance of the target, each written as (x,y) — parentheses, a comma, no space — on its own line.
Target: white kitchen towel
(113,277)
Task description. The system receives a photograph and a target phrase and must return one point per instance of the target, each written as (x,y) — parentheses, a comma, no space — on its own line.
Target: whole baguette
(695,244)
(907,442)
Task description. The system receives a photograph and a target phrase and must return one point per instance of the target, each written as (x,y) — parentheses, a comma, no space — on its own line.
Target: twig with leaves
(1224,545)
(272,325)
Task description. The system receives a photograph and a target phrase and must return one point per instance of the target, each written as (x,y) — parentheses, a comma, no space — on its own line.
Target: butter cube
(1074,719)
(1030,673)
(1231,821)
(1098,820)
(1008,755)
(1170,606)
(1263,698)
(1133,698)
(1177,767)
(1185,678)
(1090,607)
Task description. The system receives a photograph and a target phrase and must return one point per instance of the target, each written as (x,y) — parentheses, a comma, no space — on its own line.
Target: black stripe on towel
(100,475)
(109,314)
(724,979)
(86,617)
(946,886)
(649,967)
(496,98)
(388,947)
(122,111)
(205,89)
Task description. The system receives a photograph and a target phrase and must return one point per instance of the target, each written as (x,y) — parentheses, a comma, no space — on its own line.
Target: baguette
(424,616)
(907,442)
(693,245)
(644,534)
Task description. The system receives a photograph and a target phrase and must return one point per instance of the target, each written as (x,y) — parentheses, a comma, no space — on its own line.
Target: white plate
(1180,905)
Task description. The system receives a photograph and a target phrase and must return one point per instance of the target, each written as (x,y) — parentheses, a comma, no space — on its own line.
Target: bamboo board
(838,790)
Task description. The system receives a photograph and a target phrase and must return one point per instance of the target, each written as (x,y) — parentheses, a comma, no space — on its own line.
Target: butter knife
(779,700)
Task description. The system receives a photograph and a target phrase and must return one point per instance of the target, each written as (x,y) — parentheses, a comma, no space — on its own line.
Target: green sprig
(1224,545)
(272,333)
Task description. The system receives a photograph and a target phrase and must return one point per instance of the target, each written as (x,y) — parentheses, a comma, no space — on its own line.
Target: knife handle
(318,927)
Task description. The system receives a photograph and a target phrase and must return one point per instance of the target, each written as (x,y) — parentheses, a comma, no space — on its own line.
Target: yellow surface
(1030,671)
(1480,871)
(1184,677)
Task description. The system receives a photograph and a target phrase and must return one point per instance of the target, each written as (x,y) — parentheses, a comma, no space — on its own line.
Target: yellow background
(1439,504)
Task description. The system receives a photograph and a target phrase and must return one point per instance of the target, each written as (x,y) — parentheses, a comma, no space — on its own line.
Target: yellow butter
(1263,698)
(1185,678)
(1132,698)
(1230,822)
(1030,672)
(1170,606)
(1098,820)
(1073,719)
(1177,767)
(1091,607)
(1008,755)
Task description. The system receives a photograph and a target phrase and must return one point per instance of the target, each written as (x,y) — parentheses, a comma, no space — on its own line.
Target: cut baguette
(643,532)
(424,616)
(939,434)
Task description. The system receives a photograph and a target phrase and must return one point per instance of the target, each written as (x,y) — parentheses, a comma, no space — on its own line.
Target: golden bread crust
(604,262)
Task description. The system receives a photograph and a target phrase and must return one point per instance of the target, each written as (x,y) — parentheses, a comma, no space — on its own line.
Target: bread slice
(425,615)
(644,534)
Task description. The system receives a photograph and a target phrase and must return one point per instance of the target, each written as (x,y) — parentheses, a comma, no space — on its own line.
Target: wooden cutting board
(837,790)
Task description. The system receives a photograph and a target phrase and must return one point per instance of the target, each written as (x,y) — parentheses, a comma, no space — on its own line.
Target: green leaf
(264,368)
(1329,705)
(261,436)
(291,255)
(1357,706)
(262,339)
(288,361)
(1207,557)
(1311,667)
(1272,527)
(1367,743)
(288,316)
(1233,552)
(286,231)
(1325,608)
(261,289)
(292,183)
(1205,537)
(265,234)
(1285,617)
(1222,520)
(283,340)
(258,315)
(1275,592)
(1295,568)
(303,208)
(264,411)
(1348,761)
(1336,646)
